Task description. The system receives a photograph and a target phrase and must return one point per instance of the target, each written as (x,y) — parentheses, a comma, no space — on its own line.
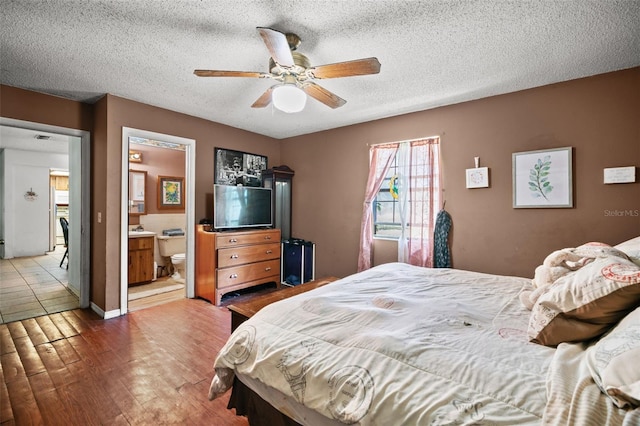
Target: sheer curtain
(418,199)
(422,203)
(381,157)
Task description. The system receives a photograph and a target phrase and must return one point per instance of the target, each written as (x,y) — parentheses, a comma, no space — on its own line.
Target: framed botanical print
(170,192)
(543,179)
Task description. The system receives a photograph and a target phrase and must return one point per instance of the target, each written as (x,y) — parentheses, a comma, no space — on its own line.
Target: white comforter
(398,344)
(573,398)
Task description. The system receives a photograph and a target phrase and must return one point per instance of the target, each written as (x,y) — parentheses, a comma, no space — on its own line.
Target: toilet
(172,248)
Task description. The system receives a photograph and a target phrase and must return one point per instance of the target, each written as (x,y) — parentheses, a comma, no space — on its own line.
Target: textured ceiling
(433,53)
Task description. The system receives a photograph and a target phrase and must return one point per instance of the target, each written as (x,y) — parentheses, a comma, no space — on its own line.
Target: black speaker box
(298,261)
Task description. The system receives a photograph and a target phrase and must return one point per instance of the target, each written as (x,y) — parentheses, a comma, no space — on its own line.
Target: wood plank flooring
(155,300)
(151,366)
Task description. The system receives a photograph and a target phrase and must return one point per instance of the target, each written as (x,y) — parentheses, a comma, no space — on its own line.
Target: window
(402,200)
(387,222)
(386,213)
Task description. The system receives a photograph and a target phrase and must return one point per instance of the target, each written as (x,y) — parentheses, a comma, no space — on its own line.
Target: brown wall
(30,106)
(125,113)
(100,245)
(105,120)
(597,116)
(157,162)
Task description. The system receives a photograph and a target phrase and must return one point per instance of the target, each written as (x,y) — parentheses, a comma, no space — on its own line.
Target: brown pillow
(586,303)
(613,362)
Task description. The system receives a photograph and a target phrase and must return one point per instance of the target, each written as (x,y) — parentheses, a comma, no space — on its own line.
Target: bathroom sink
(137,234)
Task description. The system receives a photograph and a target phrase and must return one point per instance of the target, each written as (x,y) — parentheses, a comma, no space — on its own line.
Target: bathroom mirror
(137,193)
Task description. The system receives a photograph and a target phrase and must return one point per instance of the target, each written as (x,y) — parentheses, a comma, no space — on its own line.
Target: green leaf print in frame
(543,178)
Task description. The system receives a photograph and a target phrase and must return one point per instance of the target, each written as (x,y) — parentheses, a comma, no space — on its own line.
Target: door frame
(190,179)
(80,262)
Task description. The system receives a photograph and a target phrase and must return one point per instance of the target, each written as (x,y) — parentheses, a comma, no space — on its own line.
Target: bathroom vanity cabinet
(140,260)
(233,260)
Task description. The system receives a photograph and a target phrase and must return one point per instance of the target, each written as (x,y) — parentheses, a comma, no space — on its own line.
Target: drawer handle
(269,251)
(233,240)
(234,256)
(233,276)
(268,268)
(267,237)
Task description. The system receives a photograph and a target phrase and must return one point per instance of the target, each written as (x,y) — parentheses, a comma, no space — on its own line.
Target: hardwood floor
(151,366)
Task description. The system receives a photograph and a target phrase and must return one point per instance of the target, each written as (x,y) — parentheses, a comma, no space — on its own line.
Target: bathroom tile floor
(34,286)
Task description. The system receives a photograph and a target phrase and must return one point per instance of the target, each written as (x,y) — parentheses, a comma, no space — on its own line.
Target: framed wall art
(170,192)
(543,179)
(238,168)
(478,177)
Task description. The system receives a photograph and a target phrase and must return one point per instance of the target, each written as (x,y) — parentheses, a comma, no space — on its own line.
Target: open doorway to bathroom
(157,220)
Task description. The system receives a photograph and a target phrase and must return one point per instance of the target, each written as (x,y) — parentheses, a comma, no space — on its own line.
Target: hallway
(34,286)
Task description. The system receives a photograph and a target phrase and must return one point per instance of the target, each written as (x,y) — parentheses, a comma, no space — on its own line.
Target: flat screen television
(236,207)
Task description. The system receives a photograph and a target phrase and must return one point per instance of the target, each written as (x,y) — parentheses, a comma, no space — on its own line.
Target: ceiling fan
(295,75)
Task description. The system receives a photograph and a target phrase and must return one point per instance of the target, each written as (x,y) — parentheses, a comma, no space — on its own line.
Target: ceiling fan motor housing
(301,64)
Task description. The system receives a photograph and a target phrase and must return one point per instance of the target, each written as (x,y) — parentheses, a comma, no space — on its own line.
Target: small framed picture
(543,179)
(478,177)
(170,192)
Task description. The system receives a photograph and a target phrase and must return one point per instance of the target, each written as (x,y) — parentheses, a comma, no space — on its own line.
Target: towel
(441,256)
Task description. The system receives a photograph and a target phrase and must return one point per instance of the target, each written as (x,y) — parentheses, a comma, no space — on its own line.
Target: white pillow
(631,248)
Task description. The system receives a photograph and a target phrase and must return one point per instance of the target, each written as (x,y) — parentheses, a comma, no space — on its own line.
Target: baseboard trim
(105,315)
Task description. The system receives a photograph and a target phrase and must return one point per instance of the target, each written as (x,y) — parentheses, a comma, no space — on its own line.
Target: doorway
(129,139)
(79,166)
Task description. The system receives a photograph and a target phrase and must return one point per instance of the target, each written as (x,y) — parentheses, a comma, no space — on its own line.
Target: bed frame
(257,411)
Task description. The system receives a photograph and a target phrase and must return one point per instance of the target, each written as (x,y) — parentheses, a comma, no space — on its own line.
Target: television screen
(241,207)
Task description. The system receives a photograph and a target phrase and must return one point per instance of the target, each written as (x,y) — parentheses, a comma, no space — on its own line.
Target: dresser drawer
(234,239)
(234,256)
(232,276)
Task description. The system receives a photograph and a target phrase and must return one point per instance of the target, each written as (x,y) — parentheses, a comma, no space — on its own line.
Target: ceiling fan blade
(347,69)
(219,73)
(277,45)
(321,94)
(264,99)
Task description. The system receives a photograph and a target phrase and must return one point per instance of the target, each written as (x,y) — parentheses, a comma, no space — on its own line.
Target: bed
(399,344)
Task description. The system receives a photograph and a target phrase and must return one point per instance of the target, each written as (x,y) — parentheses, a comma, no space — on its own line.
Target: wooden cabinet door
(140,260)
(61,183)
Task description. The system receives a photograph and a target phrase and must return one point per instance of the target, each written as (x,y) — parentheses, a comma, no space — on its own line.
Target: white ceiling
(433,53)
(28,140)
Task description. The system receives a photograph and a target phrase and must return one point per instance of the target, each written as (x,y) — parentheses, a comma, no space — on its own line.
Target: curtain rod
(407,140)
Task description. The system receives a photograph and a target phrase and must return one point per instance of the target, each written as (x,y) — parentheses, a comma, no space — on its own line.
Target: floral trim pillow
(584,304)
(614,362)
(632,249)
(595,249)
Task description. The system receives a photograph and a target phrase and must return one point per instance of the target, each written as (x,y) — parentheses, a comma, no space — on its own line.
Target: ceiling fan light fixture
(289,98)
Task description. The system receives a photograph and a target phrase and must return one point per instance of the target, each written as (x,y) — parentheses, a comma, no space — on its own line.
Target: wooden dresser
(229,261)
